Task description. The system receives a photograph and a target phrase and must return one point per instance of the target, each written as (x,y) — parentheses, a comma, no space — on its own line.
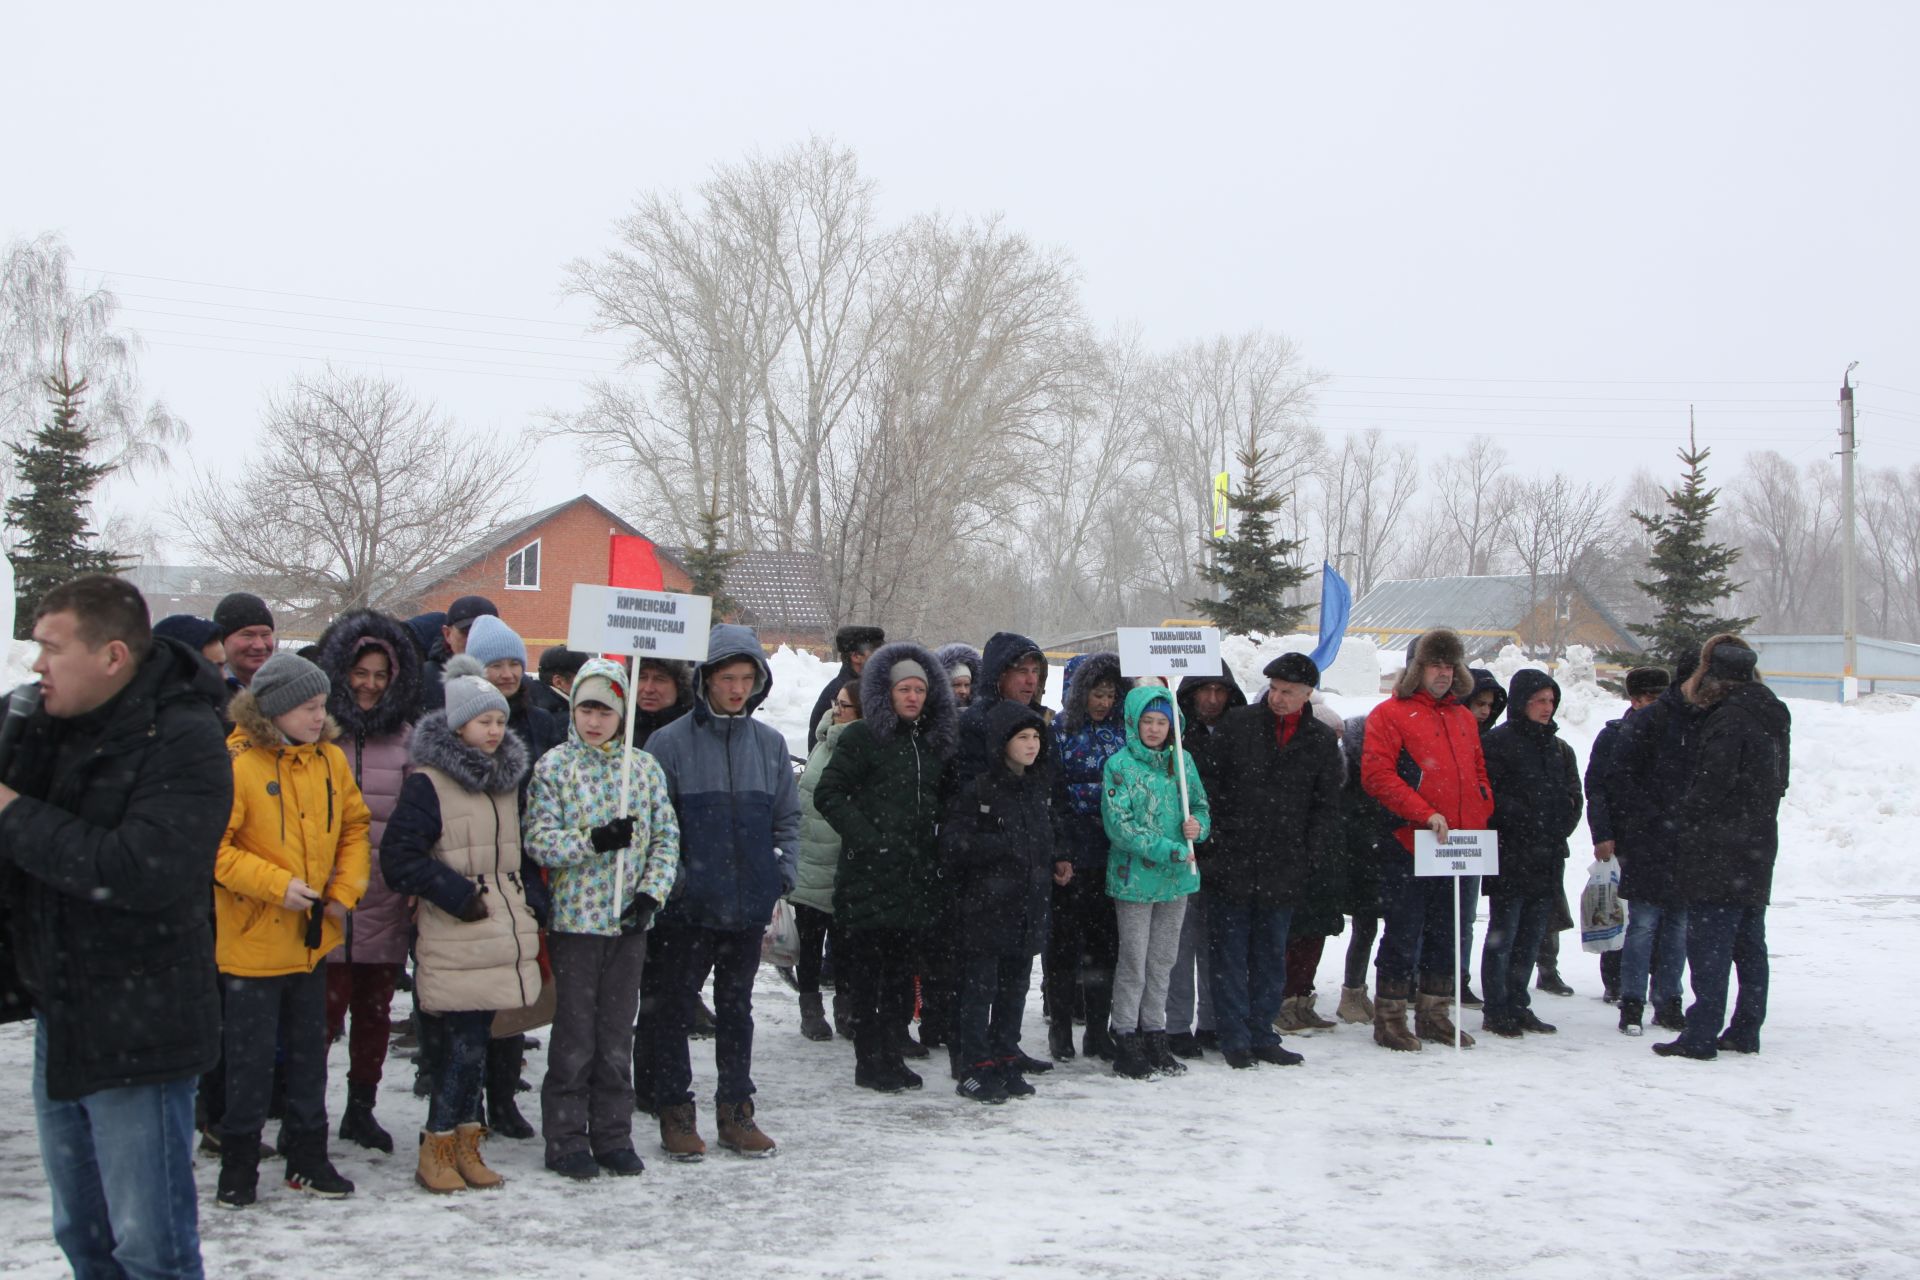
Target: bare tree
(353,491)
(1473,495)
(1365,491)
(1554,527)
(1788,521)
(47,322)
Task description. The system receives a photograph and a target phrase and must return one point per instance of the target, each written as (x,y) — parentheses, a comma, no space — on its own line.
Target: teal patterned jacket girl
(576,788)
(1140,807)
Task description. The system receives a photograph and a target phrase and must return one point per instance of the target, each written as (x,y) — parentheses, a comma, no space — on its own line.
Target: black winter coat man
(1648,771)
(998,845)
(1729,817)
(1277,812)
(106,866)
(1537,797)
(846,642)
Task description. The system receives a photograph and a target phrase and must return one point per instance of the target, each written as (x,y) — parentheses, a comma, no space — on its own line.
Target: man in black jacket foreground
(111,814)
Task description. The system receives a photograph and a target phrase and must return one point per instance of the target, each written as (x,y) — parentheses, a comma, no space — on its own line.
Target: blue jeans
(120,1166)
(1651,929)
(1247,955)
(1515,926)
(1719,938)
(1469,916)
(1417,933)
(456,1095)
(993,996)
(684,954)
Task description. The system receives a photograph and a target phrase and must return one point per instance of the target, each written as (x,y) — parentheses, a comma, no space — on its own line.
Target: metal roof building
(1809,666)
(1489,611)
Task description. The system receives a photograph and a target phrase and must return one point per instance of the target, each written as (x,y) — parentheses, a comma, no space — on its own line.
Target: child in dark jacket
(998,840)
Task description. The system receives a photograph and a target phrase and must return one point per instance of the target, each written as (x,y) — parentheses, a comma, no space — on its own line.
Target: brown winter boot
(437,1172)
(1390,1019)
(1355,1006)
(1310,1018)
(1433,1019)
(1289,1019)
(679,1136)
(466,1158)
(740,1134)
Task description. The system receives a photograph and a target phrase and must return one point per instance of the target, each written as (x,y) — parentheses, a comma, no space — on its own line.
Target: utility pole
(1850,683)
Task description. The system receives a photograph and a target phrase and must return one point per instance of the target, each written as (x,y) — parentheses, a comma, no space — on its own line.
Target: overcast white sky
(1556,223)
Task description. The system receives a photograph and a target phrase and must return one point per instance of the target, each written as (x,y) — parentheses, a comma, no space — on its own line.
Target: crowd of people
(219,856)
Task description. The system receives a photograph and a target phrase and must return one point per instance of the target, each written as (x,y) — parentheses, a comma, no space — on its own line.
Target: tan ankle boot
(1433,1020)
(1390,1020)
(466,1158)
(1289,1019)
(679,1135)
(1309,1017)
(1354,1005)
(739,1133)
(437,1172)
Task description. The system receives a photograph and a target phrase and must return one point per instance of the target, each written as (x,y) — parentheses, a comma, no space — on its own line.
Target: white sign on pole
(639,624)
(1169,651)
(1463,853)
(1466,853)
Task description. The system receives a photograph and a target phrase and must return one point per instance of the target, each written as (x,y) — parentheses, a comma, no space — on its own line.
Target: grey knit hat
(469,693)
(492,640)
(906,669)
(284,681)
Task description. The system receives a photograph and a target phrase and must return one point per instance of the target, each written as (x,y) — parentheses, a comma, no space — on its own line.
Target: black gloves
(609,836)
(638,916)
(476,908)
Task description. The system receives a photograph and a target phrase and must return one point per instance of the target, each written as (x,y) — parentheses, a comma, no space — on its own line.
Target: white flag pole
(626,784)
(1456,964)
(1180,764)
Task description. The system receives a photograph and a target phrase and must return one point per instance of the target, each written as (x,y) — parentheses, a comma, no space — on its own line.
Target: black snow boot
(1161,1057)
(813,1017)
(1631,1012)
(1185,1044)
(504,1058)
(239,1172)
(1129,1057)
(358,1126)
(309,1170)
(842,1015)
(1670,1014)
(1549,981)
(1060,1039)
(1099,1041)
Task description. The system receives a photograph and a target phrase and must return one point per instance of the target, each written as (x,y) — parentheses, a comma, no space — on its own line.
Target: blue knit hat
(492,640)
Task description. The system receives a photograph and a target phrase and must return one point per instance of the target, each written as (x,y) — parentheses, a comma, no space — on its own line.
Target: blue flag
(1336,604)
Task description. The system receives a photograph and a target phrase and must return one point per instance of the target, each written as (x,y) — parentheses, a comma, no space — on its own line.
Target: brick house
(528,567)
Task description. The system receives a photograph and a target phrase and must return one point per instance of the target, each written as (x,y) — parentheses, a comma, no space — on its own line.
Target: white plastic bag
(1603,917)
(780,945)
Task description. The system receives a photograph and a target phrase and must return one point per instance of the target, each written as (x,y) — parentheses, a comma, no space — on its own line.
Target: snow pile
(16,665)
(798,678)
(1355,670)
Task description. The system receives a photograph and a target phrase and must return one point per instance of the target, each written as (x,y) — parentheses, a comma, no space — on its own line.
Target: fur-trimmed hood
(939,718)
(343,642)
(252,728)
(436,746)
(1083,673)
(1439,645)
(960,655)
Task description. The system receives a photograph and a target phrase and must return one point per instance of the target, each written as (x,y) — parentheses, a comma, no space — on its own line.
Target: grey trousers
(1149,940)
(586,1100)
(1189,964)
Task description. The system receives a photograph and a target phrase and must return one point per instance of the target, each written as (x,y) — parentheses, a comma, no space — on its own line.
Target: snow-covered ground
(1572,1156)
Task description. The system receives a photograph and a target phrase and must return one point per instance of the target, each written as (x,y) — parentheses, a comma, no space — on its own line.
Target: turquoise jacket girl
(1140,808)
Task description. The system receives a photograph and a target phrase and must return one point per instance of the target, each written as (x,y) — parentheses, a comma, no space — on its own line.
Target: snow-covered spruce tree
(1689,574)
(707,565)
(47,517)
(1253,567)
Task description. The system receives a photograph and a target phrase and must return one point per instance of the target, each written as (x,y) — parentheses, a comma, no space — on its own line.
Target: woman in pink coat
(376,689)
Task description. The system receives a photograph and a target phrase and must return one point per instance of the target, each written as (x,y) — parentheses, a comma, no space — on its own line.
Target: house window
(523,568)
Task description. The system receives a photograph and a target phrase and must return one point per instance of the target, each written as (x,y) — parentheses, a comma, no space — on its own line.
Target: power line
(348,333)
(321,297)
(366,364)
(1597,382)
(328,315)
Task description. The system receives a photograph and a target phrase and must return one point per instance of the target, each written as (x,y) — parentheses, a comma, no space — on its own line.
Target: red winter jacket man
(1422,757)
(1422,762)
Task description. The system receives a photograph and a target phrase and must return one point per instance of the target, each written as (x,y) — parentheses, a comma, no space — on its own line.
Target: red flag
(631,563)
